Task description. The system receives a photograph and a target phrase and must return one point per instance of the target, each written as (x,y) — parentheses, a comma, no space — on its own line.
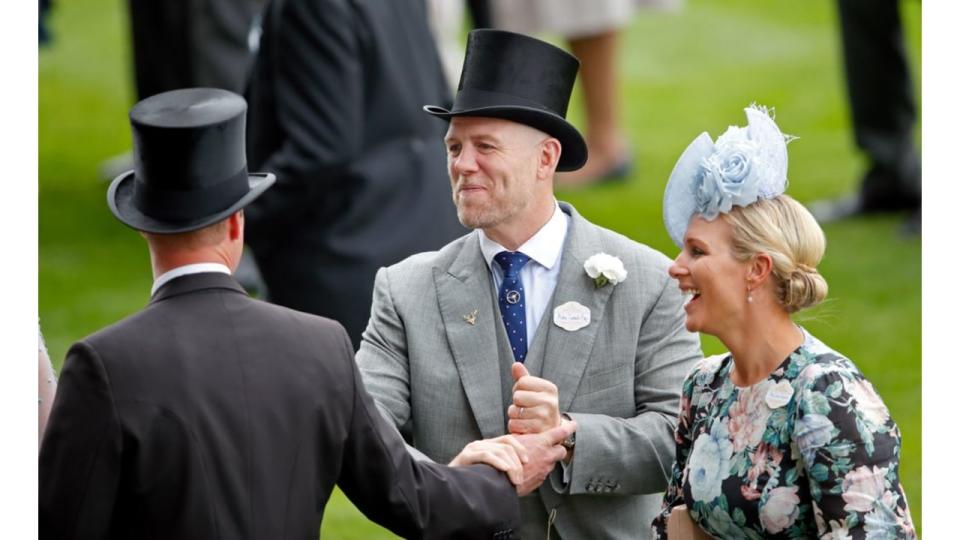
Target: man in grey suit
(504,330)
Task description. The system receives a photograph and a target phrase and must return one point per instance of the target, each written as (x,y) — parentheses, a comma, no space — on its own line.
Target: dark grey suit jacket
(213,415)
(336,113)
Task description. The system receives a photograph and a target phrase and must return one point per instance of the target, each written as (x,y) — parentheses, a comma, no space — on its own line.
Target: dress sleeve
(47,385)
(850,453)
(673,496)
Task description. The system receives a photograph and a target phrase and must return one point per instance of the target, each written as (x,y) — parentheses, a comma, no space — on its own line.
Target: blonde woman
(783,437)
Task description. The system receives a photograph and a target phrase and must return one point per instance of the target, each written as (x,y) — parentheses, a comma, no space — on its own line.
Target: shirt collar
(544,247)
(197,268)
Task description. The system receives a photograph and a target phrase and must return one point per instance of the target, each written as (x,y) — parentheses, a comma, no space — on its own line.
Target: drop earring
(749,296)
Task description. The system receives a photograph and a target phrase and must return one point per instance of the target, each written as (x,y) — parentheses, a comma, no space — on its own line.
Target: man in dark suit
(335,100)
(883,113)
(187,43)
(213,415)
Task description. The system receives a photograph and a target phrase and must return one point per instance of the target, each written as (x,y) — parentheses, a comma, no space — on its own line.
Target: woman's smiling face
(706,270)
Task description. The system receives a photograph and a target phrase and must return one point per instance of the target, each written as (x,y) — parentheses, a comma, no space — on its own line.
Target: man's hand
(536,405)
(504,453)
(544,452)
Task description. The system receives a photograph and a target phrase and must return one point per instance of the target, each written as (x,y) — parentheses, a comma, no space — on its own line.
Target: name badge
(571,316)
(779,395)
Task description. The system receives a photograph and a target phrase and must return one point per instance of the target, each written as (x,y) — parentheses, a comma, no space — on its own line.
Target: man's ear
(549,158)
(235,225)
(760,267)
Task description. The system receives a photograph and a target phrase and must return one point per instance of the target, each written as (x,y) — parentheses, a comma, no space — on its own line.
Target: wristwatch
(570,442)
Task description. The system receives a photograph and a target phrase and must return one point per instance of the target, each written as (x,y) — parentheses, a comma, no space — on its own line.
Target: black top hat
(190,164)
(519,78)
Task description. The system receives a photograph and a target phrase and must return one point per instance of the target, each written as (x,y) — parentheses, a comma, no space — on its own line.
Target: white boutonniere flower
(603,269)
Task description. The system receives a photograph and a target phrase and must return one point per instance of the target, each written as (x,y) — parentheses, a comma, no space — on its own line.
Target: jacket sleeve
(80,456)
(419,499)
(630,456)
(382,357)
(317,69)
(673,496)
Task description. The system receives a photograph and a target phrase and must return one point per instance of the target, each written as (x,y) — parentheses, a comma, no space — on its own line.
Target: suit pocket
(606,378)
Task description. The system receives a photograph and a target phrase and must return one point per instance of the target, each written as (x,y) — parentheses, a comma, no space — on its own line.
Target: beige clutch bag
(681,526)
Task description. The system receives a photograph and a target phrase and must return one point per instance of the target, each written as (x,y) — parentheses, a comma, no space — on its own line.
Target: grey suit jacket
(445,382)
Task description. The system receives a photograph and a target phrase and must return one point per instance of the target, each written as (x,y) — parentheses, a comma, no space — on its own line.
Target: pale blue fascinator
(745,164)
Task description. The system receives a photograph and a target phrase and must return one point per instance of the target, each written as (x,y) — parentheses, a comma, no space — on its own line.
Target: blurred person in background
(335,111)
(44,10)
(783,436)
(187,43)
(191,43)
(593,31)
(446,22)
(883,112)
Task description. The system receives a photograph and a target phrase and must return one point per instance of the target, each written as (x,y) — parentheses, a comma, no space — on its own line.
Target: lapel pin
(471,317)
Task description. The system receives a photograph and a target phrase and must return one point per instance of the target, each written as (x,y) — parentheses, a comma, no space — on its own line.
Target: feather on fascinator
(745,164)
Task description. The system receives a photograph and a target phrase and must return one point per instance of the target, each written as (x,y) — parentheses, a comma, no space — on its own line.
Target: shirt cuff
(560,479)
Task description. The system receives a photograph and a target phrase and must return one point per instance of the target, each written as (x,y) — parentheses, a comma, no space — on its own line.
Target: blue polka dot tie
(512,302)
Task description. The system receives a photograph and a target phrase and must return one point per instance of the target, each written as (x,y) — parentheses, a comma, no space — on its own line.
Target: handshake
(536,433)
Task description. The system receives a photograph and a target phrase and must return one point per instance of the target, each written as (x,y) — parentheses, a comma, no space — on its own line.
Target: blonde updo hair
(786,231)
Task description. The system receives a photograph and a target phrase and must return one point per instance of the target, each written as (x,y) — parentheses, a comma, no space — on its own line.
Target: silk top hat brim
(120,198)
(573,149)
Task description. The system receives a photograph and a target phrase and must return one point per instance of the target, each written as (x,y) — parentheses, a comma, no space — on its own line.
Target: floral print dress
(809,452)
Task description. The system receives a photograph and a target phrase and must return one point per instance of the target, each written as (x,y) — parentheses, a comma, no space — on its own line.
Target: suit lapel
(566,353)
(464,295)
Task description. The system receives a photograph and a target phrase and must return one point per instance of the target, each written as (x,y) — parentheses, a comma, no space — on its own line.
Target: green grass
(681,74)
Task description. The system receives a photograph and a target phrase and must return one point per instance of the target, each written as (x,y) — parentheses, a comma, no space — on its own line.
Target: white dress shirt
(539,277)
(540,274)
(197,268)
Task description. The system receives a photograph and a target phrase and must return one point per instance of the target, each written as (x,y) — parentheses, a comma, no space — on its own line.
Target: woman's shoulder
(830,385)
(705,372)
(708,365)
(815,362)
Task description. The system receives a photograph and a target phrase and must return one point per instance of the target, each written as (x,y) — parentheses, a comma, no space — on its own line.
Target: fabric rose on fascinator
(743,165)
(729,175)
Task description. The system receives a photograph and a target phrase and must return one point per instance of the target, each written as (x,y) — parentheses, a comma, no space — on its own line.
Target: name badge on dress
(779,395)
(571,316)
